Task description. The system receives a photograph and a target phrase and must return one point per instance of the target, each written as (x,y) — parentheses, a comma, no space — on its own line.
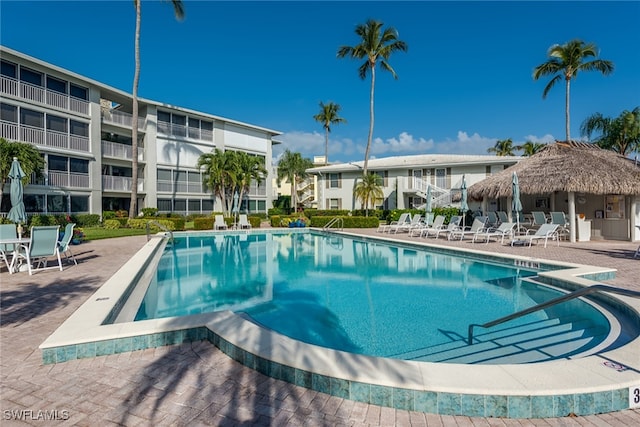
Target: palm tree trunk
(326,146)
(566,101)
(133,207)
(369,139)
(294,195)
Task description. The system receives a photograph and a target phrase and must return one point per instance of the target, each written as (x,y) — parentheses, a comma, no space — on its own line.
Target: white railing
(167,128)
(441,196)
(39,94)
(180,187)
(120,183)
(122,119)
(120,151)
(65,179)
(9,131)
(39,136)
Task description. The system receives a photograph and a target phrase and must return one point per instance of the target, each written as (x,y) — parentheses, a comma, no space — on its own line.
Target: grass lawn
(97,233)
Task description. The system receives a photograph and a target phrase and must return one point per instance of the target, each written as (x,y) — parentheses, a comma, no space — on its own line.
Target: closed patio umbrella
(427,206)
(17,213)
(516,203)
(236,206)
(464,206)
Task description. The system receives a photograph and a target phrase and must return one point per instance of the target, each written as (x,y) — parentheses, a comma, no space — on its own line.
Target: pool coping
(589,385)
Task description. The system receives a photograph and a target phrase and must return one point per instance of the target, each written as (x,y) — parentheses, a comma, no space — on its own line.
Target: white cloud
(405,143)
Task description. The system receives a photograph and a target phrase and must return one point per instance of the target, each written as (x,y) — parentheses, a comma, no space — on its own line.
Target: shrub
(141,223)
(149,212)
(108,215)
(86,220)
(205,223)
(112,224)
(42,219)
(348,221)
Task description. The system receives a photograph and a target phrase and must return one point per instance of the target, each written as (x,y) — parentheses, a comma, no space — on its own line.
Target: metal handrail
(160,226)
(569,296)
(333,222)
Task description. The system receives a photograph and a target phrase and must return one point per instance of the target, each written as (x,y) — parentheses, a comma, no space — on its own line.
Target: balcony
(122,119)
(40,95)
(68,180)
(120,183)
(181,187)
(47,138)
(182,131)
(116,150)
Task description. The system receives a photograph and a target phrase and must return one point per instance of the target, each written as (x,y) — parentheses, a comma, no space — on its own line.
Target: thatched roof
(566,167)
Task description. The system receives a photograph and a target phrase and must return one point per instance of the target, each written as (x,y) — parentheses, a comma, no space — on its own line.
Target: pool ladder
(575,294)
(161,227)
(335,221)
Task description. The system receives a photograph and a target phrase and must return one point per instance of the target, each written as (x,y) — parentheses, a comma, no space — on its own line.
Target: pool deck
(195,383)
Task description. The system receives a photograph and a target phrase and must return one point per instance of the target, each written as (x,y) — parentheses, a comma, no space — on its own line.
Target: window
(178,120)
(56,203)
(334,180)
(78,92)
(164,117)
(206,126)
(8,113)
(56,85)
(441,178)
(180,176)
(164,175)
(57,163)
(78,165)
(194,205)
(31,118)
(79,203)
(9,69)
(164,205)
(57,124)
(30,76)
(194,177)
(78,128)
(207,205)
(334,204)
(180,205)
(34,202)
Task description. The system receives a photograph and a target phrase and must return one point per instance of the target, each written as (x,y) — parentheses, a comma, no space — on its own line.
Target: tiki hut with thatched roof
(562,170)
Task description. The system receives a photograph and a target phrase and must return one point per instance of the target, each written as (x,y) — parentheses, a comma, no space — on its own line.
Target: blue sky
(465,82)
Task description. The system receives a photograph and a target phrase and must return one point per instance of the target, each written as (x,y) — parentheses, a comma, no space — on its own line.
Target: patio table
(16,242)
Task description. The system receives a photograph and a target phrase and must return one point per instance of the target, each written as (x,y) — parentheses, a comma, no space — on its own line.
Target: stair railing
(334,221)
(542,306)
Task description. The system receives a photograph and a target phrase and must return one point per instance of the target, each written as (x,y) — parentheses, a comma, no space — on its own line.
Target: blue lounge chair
(66,241)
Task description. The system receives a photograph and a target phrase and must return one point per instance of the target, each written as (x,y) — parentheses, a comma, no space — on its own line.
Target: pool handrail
(541,306)
(160,226)
(334,221)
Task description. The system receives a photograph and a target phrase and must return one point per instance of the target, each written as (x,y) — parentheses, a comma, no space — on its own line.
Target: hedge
(141,223)
(347,221)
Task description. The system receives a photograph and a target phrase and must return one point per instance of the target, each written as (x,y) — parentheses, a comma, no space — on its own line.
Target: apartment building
(405,180)
(83,128)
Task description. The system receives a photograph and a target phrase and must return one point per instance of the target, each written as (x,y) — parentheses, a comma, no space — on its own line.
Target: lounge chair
(243,222)
(492,219)
(563,225)
(545,232)
(219,223)
(404,217)
(407,225)
(437,224)
(454,224)
(479,224)
(539,218)
(66,241)
(502,216)
(7,231)
(505,229)
(42,245)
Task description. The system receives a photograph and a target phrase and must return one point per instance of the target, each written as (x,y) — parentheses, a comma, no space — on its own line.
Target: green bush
(254,221)
(205,223)
(149,212)
(348,221)
(86,220)
(108,215)
(42,219)
(141,223)
(112,224)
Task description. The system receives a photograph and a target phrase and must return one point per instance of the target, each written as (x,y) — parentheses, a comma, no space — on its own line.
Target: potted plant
(78,236)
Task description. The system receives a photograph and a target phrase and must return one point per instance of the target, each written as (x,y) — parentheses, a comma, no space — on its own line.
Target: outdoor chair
(479,224)
(243,222)
(545,232)
(7,231)
(505,229)
(42,245)
(502,216)
(492,219)
(219,223)
(404,217)
(563,225)
(407,225)
(437,224)
(454,224)
(539,218)
(65,242)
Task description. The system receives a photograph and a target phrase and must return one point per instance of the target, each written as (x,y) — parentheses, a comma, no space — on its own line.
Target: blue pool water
(366,297)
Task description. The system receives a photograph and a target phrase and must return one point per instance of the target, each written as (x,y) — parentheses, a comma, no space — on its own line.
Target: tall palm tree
(248,169)
(503,147)
(30,159)
(620,134)
(328,116)
(368,190)
(293,167)
(565,61)
(530,148)
(376,45)
(218,174)
(178,10)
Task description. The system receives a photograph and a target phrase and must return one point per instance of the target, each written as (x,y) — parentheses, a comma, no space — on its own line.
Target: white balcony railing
(182,131)
(120,151)
(119,183)
(121,118)
(38,94)
(38,136)
(66,179)
(180,187)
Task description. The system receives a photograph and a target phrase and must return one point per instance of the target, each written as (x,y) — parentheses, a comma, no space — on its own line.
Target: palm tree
(503,147)
(375,45)
(293,167)
(530,148)
(178,10)
(565,61)
(217,174)
(328,115)
(620,134)
(368,190)
(30,159)
(248,168)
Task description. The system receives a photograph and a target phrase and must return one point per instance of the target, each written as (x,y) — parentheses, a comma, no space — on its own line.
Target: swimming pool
(605,381)
(371,298)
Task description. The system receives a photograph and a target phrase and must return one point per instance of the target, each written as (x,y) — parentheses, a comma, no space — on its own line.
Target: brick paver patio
(196,384)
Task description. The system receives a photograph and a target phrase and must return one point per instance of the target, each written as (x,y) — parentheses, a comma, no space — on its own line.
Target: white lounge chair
(437,224)
(505,229)
(407,225)
(66,241)
(42,245)
(454,224)
(539,218)
(563,225)
(219,223)
(243,222)
(404,217)
(479,224)
(545,232)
